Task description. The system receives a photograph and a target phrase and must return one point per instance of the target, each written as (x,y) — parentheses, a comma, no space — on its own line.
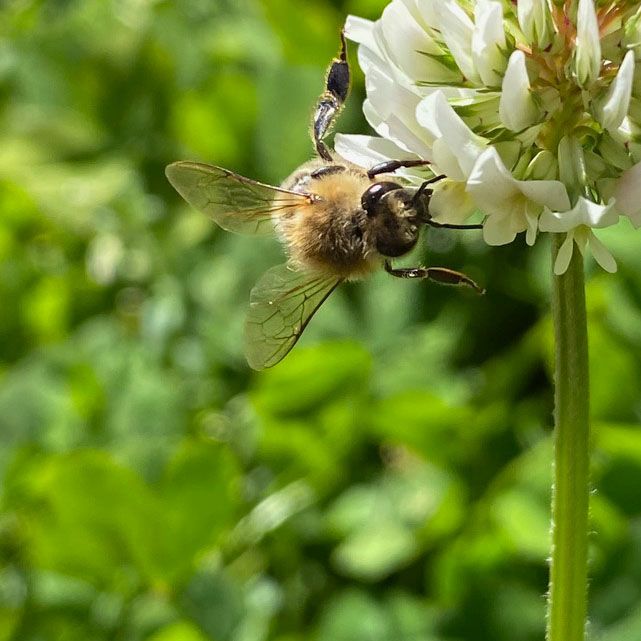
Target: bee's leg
(437,274)
(433,223)
(327,170)
(330,103)
(390,166)
(424,186)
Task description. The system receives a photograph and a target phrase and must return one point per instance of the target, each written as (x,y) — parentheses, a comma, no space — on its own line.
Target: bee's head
(395,216)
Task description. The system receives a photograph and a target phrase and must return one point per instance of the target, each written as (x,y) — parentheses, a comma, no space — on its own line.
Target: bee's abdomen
(332,234)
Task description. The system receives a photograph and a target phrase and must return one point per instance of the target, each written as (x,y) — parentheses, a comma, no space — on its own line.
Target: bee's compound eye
(374,193)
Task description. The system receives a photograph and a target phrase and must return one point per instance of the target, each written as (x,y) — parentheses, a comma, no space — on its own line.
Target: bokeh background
(389,481)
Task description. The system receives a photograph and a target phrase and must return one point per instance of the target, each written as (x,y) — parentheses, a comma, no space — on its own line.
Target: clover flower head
(531,109)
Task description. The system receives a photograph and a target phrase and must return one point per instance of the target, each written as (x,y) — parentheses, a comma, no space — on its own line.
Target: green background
(389,481)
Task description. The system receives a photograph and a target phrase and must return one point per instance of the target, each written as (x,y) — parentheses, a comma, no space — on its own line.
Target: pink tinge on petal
(627,194)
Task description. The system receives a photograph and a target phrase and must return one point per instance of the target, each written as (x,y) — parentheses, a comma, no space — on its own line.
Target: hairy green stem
(567,606)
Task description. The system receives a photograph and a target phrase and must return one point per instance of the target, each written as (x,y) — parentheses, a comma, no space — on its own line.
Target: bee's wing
(281,304)
(236,203)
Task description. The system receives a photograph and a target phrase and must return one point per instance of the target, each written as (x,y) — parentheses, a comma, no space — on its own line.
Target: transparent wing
(281,304)
(236,203)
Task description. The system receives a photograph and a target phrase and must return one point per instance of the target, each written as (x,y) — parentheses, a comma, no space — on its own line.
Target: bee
(337,222)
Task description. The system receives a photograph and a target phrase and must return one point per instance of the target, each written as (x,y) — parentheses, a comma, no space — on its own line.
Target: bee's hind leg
(437,274)
(330,103)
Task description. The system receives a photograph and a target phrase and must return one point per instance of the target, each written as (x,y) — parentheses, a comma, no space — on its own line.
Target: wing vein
(282,304)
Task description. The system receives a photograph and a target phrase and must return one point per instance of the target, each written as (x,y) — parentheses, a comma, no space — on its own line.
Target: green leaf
(524,521)
(386,524)
(179,631)
(308,32)
(286,97)
(88,517)
(311,376)
(200,498)
(354,616)
(214,602)
(374,552)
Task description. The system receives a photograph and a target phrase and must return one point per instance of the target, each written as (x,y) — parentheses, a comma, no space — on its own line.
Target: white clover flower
(531,109)
(578,223)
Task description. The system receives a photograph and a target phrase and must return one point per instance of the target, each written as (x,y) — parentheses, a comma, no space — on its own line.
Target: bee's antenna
(421,190)
(428,219)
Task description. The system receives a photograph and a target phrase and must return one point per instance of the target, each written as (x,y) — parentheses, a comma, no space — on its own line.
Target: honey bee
(337,222)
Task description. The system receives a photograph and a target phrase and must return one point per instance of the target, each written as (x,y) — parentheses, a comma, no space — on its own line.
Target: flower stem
(567,606)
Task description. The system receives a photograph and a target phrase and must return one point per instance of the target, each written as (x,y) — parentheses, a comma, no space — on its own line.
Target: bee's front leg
(390,166)
(437,274)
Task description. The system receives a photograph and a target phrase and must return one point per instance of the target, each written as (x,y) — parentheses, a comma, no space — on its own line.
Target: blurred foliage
(389,481)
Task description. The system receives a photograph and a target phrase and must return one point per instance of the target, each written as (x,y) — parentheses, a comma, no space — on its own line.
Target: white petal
(441,121)
(584,213)
(532,219)
(456,29)
(600,216)
(497,230)
(388,96)
(587,59)
(428,9)
(406,44)
(496,191)
(390,109)
(628,194)
(535,20)
(488,39)
(517,108)
(367,151)
(446,161)
(361,31)
(617,101)
(451,93)
(450,203)
(564,256)
(602,255)
(396,131)
(542,167)
(491,184)
(416,13)
(549,193)
(581,237)
(553,221)
(373,58)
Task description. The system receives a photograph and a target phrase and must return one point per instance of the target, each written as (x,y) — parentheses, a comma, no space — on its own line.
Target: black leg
(327,170)
(331,102)
(390,166)
(437,274)
(424,188)
(433,223)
